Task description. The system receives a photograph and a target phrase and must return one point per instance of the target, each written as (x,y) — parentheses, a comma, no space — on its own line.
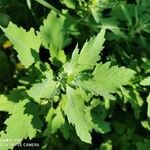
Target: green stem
(94,27)
(49,6)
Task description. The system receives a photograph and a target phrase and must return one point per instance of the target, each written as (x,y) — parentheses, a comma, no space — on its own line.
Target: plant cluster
(77,74)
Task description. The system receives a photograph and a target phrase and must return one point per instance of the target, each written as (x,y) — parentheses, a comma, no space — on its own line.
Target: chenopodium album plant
(73,93)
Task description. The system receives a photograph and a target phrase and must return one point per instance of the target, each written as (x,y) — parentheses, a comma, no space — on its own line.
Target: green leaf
(58,120)
(143,145)
(25,43)
(29,4)
(48,119)
(55,120)
(126,14)
(88,56)
(106,146)
(54,34)
(146,125)
(90,52)
(145,82)
(107,79)
(76,114)
(69,3)
(82,117)
(26,115)
(148,108)
(130,95)
(145,22)
(45,89)
(99,114)
(96,10)
(4,20)
(5,104)
(112,25)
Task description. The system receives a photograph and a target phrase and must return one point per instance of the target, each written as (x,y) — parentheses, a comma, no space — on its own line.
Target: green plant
(89,84)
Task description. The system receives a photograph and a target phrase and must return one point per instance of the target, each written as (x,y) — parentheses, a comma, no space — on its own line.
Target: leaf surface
(88,56)
(45,89)
(25,114)
(26,44)
(76,114)
(107,79)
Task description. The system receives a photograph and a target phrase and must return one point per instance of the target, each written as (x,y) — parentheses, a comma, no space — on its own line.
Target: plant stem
(49,6)
(94,27)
